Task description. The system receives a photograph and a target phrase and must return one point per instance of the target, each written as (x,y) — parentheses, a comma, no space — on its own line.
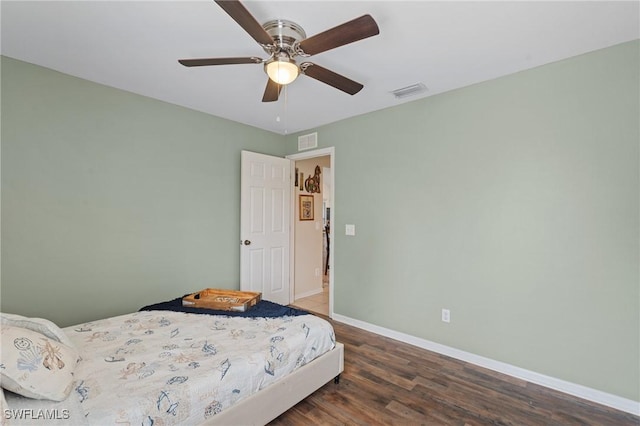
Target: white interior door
(264,226)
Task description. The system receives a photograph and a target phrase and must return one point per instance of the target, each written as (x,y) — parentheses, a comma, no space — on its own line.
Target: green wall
(110,200)
(513,203)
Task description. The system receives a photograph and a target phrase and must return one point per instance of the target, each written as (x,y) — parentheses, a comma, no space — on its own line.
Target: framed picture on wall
(306,207)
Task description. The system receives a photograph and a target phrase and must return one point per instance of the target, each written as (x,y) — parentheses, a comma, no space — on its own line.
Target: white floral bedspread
(162,367)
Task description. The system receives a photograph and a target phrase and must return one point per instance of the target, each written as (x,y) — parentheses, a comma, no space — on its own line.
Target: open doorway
(311,247)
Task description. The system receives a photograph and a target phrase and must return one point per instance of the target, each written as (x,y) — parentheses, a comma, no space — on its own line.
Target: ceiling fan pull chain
(286,118)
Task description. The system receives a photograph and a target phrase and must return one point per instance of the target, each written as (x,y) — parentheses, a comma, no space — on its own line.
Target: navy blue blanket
(262,309)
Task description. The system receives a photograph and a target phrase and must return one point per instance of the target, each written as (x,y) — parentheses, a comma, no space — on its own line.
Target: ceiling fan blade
(219,61)
(331,78)
(272,91)
(241,15)
(349,32)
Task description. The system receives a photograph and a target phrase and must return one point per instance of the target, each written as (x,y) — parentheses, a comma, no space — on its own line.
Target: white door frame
(303,156)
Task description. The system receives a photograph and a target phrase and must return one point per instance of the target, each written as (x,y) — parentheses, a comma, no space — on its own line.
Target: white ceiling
(134,46)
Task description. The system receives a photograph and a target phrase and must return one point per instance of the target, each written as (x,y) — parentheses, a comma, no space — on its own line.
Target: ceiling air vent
(412,90)
(308,141)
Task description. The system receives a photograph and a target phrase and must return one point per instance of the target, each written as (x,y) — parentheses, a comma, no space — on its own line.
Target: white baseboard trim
(594,395)
(308,293)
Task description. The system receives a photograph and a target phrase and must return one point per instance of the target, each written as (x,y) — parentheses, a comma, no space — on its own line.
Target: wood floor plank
(381,355)
(392,374)
(386,382)
(405,412)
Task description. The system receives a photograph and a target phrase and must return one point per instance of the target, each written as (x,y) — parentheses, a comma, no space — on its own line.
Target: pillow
(34,365)
(40,325)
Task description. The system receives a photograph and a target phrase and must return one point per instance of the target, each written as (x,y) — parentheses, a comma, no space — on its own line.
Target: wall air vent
(412,90)
(308,141)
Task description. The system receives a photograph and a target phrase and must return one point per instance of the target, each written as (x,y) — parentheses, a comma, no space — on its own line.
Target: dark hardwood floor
(390,382)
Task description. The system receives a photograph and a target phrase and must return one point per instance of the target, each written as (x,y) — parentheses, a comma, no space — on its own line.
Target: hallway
(318,303)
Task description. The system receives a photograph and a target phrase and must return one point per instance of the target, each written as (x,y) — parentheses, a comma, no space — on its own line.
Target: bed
(161,367)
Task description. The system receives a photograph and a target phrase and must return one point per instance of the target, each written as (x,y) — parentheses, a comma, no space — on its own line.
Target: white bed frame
(268,403)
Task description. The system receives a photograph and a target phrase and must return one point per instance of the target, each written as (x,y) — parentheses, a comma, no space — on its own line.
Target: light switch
(350,230)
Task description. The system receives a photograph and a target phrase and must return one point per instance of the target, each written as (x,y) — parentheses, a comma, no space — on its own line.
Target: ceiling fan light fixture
(282,69)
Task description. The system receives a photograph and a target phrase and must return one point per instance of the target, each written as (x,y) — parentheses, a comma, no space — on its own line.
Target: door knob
(247,242)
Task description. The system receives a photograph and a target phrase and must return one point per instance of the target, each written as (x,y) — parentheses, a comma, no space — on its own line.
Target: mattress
(163,368)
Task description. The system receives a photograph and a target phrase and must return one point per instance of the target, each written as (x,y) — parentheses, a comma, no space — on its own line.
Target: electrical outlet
(446,315)
(317,272)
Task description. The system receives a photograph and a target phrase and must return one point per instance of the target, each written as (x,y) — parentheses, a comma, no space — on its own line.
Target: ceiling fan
(283,41)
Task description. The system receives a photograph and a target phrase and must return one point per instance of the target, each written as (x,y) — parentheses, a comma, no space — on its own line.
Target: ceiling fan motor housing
(285,34)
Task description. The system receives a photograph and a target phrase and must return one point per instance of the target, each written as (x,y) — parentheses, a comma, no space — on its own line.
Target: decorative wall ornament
(296,184)
(306,207)
(312,184)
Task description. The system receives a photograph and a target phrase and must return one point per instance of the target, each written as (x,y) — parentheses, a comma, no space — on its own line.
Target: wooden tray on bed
(223,300)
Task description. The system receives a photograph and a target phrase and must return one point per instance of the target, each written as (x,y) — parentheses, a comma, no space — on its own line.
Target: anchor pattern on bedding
(163,368)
